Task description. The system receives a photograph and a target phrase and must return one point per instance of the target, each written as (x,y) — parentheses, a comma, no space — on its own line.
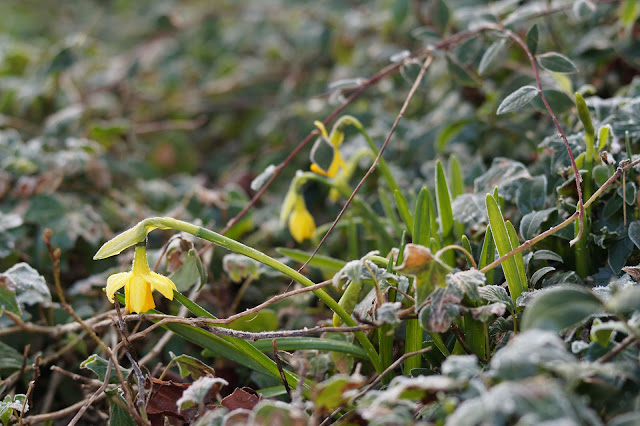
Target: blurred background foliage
(113,111)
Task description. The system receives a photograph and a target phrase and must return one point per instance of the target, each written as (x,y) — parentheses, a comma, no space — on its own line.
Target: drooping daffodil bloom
(301,223)
(139,284)
(334,140)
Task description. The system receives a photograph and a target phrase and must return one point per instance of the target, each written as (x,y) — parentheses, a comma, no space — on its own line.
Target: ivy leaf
(517,99)
(532,39)
(560,307)
(490,55)
(556,62)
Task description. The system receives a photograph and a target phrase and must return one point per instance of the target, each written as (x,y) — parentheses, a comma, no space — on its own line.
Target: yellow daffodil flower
(301,223)
(335,140)
(139,283)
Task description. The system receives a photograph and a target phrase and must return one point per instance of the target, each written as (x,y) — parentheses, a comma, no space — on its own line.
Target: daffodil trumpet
(139,283)
(301,223)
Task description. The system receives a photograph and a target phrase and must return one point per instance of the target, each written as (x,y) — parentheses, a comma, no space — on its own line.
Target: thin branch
(561,132)
(276,356)
(616,351)
(54,254)
(622,167)
(95,395)
(32,385)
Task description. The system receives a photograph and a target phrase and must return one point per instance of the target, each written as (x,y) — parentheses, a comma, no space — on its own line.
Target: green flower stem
(583,258)
(238,247)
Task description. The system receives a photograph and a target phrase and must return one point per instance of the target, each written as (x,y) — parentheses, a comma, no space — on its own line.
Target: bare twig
(616,351)
(94,396)
(623,167)
(122,329)
(32,385)
(55,259)
(276,356)
(561,132)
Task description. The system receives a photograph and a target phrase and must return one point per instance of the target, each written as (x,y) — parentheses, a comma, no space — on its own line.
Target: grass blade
(503,244)
(443,200)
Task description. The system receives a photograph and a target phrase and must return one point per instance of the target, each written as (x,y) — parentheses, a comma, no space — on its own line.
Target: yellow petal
(115,282)
(301,224)
(140,298)
(317,169)
(163,284)
(323,130)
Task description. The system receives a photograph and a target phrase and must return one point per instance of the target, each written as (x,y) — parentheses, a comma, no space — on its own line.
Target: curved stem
(238,247)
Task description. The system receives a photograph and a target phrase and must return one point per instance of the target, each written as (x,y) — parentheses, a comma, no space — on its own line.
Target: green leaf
(556,62)
(490,55)
(546,255)
(30,286)
(513,237)
(558,100)
(601,173)
(625,301)
(333,392)
(265,320)
(98,365)
(9,404)
(441,14)
(540,273)
(10,359)
(629,12)
(634,233)
(421,219)
(189,272)
(496,294)
(488,254)
(325,263)
(517,99)
(43,209)
(190,365)
(532,39)
(445,212)
(560,307)
(460,74)
(630,193)
(310,343)
(531,195)
(8,300)
(118,416)
(531,222)
(503,244)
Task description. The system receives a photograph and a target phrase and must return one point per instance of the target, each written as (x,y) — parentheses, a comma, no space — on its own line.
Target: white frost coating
(263,177)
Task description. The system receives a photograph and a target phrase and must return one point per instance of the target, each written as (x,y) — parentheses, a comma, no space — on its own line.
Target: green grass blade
(457,188)
(503,244)
(487,255)
(443,201)
(515,242)
(403,209)
(421,219)
(244,347)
